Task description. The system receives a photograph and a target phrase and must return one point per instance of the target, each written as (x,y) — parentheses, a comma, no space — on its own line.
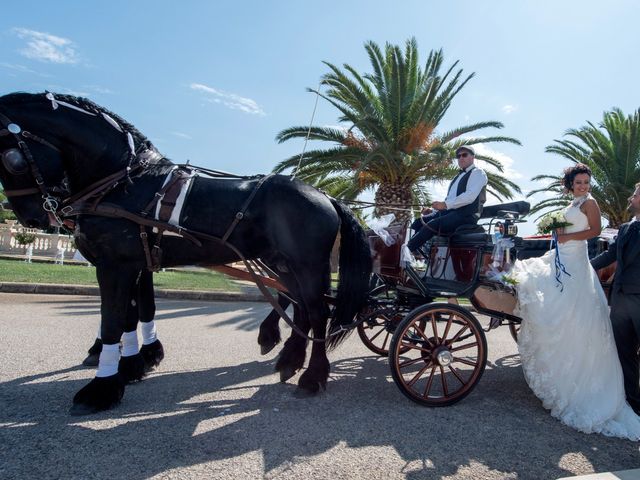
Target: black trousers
(625,320)
(441,222)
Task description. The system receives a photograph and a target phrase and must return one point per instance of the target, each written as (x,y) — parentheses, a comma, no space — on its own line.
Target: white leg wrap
(99,331)
(148,332)
(109,358)
(130,343)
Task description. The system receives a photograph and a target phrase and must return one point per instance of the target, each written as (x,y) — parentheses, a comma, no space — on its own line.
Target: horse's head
(31,171)
(56,145)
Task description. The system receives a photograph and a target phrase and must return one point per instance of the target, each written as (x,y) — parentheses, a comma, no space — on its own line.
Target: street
(215,409)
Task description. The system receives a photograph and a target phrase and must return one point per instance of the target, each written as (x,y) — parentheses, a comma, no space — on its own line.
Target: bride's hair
(570,175)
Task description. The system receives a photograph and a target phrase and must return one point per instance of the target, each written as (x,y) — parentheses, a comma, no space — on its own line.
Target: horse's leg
(93,354)
(107,388)
(152,350)
(313,289)
(291,357)
(131,365)
(269,335)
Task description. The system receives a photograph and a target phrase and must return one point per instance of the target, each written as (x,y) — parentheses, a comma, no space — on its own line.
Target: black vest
(475,207)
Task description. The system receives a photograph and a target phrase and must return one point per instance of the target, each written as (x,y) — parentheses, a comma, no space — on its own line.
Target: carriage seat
(520,208)
(474,234)
(469,234)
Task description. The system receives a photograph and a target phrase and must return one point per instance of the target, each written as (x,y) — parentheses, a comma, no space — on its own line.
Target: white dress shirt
(477,181)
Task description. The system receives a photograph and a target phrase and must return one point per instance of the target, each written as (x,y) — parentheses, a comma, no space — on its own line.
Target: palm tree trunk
(394,198)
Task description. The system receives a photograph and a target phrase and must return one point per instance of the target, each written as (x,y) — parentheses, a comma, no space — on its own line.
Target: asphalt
(215,409)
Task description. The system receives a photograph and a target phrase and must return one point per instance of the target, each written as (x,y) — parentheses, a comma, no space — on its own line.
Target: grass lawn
(19,271)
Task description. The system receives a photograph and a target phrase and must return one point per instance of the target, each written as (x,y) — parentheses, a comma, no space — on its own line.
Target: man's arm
(477,181)
(607,257)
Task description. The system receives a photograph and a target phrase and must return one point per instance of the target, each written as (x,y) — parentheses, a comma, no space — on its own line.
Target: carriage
(437,349)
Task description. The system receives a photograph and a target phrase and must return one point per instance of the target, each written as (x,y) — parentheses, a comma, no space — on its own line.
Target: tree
(612,151)
(389,143)
(5,214)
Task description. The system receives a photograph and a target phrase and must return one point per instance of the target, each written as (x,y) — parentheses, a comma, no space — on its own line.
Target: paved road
(215,409)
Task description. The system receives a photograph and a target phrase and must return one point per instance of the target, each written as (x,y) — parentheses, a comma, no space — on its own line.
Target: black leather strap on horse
(15,130)
(73,203)
(114,211)
(21,192)
(167,197)
(240,214)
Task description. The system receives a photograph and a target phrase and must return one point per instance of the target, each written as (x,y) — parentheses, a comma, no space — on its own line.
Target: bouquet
(552,221)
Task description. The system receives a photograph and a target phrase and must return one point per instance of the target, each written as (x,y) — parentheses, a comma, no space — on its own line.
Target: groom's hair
(570,175)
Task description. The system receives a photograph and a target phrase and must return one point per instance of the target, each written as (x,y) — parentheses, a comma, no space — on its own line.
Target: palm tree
(389,142)
(612,151)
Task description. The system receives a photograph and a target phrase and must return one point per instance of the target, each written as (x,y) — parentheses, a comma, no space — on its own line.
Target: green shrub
(6,215)
(24,238)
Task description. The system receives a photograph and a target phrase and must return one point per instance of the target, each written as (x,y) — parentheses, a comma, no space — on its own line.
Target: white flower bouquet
(552,221)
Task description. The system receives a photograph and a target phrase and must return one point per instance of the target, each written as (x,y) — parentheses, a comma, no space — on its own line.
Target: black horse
(64,157)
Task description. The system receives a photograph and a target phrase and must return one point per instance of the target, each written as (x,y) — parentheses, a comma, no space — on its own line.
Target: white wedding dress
(566,343)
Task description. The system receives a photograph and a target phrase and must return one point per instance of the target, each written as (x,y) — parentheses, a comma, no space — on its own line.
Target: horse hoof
(152,354)
(101,393)
(286,373)
(91,360)
(313,383)
(132,368)
(264,349)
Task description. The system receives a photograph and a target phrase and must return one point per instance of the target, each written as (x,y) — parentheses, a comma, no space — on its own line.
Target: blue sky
(214,82)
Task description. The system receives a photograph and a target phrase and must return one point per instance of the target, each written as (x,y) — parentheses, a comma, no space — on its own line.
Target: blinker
(14,161)
(13,128)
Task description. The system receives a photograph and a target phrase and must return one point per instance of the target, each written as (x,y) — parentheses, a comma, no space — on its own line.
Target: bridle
(57,200)
(19,160)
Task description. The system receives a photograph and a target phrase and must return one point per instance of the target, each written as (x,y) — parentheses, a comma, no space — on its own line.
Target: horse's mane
(81,102)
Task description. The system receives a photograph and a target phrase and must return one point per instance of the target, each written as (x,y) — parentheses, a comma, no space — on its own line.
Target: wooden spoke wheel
(437,354)
(514,329)
(381,320)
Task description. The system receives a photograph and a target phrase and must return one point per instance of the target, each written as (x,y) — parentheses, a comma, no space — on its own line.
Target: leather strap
(22,192)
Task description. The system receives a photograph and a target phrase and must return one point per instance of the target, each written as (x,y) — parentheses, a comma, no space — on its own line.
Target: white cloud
(230,100)
(504,159)
(46,47)
(507,109)
(182,135)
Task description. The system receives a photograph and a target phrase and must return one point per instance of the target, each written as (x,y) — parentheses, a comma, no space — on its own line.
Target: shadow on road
(179,419)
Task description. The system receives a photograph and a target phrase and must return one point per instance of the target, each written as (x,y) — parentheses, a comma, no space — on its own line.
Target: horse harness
(62,206)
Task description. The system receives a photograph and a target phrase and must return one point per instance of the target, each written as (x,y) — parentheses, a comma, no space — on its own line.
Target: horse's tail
(354,274)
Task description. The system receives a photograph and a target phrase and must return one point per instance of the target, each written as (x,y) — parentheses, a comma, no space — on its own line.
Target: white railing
(45,244)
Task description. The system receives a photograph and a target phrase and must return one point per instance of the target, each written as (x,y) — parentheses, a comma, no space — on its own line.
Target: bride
(566,343)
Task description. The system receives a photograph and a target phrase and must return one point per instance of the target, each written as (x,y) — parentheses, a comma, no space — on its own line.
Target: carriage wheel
(378,327)
(437,355)
(514,328)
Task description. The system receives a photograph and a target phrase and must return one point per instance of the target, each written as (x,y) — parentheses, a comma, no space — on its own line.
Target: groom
(625,299)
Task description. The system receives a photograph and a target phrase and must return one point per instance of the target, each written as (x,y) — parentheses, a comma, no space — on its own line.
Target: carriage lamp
(512,230)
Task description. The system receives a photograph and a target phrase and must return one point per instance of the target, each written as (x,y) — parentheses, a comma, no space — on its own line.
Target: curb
(56,289)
